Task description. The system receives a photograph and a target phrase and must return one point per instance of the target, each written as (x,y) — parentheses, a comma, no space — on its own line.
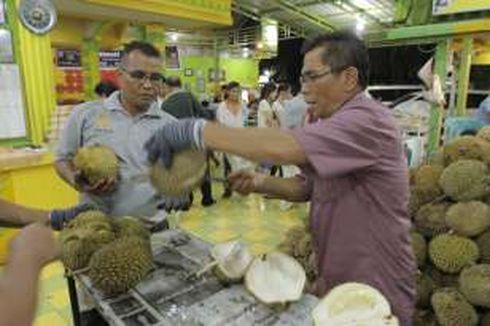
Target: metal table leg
(75,308)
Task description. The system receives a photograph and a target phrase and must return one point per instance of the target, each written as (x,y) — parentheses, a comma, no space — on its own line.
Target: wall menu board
(447,7)
(109,59)
(68,58)
(11,105)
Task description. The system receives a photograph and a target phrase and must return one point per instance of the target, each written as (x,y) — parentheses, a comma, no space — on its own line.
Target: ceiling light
(174,37)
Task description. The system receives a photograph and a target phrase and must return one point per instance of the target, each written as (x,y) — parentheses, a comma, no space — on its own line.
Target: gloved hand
(58,217)
(179,203)
(175,137)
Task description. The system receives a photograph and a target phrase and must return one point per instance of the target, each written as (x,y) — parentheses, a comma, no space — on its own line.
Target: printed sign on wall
(446,7)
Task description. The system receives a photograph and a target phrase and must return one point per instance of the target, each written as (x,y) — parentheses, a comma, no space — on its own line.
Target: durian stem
(206,268)
(438,199)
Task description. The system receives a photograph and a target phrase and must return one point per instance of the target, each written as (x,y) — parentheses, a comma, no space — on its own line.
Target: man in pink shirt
(354,171)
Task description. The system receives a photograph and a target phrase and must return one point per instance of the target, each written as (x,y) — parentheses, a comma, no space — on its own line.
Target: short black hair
(105,88)
(342,50)
(267,90)
(231,85)
(146,48)
(173,81)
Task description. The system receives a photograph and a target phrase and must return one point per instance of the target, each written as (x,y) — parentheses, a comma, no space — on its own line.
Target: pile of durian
(115,252)
(451,234)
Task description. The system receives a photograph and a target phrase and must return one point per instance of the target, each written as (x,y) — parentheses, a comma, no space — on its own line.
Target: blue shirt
(106,122)
(483,111)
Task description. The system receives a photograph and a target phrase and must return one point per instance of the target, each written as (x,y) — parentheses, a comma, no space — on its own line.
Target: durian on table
(116,251)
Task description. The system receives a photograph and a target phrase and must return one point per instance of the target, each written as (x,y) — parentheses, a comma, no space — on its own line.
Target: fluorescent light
(174,37)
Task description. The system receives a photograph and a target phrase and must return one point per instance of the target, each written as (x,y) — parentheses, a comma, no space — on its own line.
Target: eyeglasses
(311,76)
(140,75)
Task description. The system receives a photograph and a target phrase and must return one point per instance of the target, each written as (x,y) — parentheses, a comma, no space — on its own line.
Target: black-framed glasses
(140,75)
(309,77)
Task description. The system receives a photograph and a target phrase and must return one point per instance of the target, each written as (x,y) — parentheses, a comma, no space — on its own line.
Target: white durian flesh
(276,278)
(232,259)
(354,304)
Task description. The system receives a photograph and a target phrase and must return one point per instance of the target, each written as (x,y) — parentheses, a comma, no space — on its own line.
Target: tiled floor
(259,222)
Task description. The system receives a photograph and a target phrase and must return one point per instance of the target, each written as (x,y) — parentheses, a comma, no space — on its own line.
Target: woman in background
(232,112)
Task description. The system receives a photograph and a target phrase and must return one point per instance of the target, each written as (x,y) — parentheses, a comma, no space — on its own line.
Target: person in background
(231,113)
(253,108)
(179,102)
(265,115)
(124,122)
(294,113)
(354,171)
(105,88)
(483,111)
(283,95)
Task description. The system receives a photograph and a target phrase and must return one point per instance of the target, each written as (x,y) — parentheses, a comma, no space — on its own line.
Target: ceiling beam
(294,9)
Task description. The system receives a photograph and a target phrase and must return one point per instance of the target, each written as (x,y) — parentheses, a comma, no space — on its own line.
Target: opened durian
(120,265)
(185,174)
(468,218)
(96,163)
(275,278)
(451,253)
(474,284)
(452,309)
(465,180)
(354,304)
(128,226)
(483,242)
(232,260)
(430,220)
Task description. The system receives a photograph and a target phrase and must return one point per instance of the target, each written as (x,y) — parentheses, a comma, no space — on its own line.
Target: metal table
(168,296)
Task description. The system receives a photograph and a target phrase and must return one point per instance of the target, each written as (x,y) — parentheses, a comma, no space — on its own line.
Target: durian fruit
(233,259)
(78,245)
(430,220)
(354,304)
(440,279)
(468,218)
(186,173)
(451,253)
(424,318)
(465,180)
(275,278)
(128,226)
(120,265)
(474,284)
(419,246)
(88,217)
(291,238)
(427,178)
(466,148)
(424,287)
(452,309)
(483,242)
(96,163)
(437,158)
(484,133)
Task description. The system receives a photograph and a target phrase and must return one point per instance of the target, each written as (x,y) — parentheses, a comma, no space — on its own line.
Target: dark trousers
(277,168)
(227,170)
(206,188)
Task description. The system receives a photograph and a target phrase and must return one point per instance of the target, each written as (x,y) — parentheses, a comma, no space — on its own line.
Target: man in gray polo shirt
(124,122)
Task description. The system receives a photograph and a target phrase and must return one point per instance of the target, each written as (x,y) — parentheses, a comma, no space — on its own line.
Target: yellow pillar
(35,60)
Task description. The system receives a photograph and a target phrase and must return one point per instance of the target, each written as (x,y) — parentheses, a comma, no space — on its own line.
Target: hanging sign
(68,58)
(109,59)
(446,7)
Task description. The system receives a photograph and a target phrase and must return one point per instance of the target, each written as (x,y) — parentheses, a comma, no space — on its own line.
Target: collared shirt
(294,112)
(106,122)
(357,181)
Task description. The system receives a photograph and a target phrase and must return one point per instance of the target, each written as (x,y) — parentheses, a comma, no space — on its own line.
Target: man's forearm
(283,188)
(13,215)
(256,144)
(18,291)
(66,171)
